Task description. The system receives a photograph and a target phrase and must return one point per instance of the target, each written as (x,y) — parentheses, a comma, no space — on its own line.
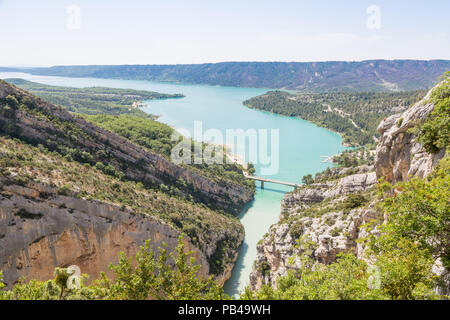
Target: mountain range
(330,76)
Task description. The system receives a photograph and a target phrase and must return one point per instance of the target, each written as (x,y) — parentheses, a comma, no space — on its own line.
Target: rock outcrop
(332,232)
(41,230)
(399,155)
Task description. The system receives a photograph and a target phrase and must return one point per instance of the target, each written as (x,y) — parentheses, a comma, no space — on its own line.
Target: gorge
(221,108)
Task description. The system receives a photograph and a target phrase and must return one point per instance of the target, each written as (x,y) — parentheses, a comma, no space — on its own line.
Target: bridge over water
(263,180)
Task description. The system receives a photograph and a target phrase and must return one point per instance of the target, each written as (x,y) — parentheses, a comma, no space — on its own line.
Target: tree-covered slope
(354,115)
(94,100)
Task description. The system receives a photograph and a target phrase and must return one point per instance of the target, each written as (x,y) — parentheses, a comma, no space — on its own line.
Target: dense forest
(354,115)
(330,76)
(94,100)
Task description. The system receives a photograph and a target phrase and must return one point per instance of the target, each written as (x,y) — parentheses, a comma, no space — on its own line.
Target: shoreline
(344,144)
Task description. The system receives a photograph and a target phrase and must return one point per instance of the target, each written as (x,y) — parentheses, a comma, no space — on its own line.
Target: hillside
(118,110)
(331,76)
(63,178)
(94,100)
(354,115)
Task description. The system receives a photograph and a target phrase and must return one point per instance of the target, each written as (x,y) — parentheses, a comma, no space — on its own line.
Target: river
(300,149)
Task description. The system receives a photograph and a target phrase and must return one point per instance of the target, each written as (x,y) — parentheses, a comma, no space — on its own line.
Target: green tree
(434,133)
(308,179)
(169,276)
(419,213)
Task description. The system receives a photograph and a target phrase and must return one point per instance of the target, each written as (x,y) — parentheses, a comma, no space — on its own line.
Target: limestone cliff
(313,212)
(398,154)
(41,230)
(43,225)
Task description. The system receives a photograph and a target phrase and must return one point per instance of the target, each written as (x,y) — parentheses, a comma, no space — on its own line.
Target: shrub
(354,200)
(308,179)
(434,133)
(64,190)
(296,229)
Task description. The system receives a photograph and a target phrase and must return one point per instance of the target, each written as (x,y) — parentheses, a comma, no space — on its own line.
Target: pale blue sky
(195,31)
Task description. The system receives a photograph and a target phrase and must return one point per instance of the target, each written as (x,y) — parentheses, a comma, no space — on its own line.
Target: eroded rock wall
(399,155)
(41,230)
(332,233)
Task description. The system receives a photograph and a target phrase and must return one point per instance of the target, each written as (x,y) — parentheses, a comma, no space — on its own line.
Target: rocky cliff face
(399,155)
(44,122)
(41,230)
(331,229)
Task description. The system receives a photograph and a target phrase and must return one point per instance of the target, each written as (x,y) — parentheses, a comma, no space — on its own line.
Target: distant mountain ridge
(331,76)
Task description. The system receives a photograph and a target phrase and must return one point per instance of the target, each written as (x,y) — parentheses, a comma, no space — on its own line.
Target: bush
(354,200)
(296,229)
(64,190)
(21,180)
(308,179)
(434,133)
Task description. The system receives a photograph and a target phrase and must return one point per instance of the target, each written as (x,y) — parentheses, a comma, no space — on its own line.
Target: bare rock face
(319,191)
(398,154)
(332,233)
(41,230)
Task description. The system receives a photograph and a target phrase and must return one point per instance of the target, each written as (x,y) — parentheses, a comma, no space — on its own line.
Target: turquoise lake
(301,144)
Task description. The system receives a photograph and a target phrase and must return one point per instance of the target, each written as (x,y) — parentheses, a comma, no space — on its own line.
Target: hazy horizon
(80,32)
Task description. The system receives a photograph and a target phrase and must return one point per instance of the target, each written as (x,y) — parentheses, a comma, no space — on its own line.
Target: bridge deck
(295,185)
